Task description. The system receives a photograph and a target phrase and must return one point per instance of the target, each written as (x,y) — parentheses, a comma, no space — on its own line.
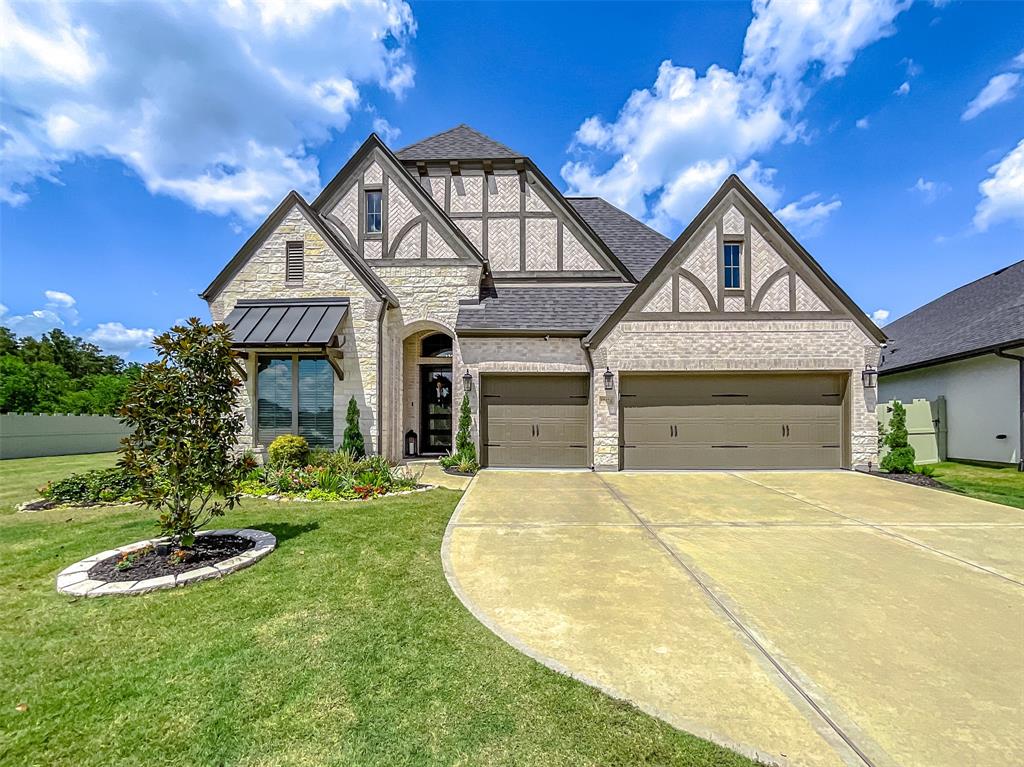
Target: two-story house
(583,337)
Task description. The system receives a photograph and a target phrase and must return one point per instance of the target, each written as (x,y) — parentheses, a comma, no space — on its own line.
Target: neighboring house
(583,337)
(966,346)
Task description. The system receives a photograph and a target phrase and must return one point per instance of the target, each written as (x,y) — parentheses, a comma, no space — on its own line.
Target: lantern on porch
(411,444)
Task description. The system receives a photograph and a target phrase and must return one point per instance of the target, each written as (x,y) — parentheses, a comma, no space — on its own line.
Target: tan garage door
(535,421)
(754,421)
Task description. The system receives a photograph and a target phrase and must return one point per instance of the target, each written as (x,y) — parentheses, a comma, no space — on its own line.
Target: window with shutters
(294,261)
(295,395)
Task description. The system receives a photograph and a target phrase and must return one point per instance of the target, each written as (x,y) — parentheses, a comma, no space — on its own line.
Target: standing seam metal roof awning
(276,322)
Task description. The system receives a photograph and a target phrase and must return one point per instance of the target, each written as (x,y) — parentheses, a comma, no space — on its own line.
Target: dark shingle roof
(633,242)
(458,143)
(982,315)
(567,309)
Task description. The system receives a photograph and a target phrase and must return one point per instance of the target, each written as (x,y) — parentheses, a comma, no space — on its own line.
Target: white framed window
(732,259)
(374,217)
(295,395)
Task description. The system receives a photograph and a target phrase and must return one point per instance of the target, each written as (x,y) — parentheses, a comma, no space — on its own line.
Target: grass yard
(345,646)
(990,483)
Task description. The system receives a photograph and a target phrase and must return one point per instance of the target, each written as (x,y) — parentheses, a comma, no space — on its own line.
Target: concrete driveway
(808,618)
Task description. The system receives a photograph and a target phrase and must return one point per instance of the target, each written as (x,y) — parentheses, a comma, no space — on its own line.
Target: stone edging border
(74,580)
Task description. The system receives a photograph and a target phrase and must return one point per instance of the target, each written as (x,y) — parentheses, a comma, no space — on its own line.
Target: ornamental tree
(352,442)
(900,458)
(464,447)
(186,427)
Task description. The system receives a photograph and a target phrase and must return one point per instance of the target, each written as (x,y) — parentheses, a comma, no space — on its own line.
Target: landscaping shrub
(464,457)
(113,485)
(353,439)
(185,429)
(289,450)
(900,458)
(335,477)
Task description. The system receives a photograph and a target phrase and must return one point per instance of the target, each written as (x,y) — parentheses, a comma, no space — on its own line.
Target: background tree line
(59,373)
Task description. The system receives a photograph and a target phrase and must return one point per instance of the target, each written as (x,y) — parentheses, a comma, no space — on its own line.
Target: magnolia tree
(182,410)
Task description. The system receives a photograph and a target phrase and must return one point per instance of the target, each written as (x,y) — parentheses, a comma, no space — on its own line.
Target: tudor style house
(582,337)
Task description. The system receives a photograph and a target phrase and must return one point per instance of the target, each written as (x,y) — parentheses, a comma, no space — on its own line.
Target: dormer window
(732,260)
(374,218)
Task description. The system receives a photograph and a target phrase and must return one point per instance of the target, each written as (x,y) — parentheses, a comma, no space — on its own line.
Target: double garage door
(672,421)
(540,421)
(711,421)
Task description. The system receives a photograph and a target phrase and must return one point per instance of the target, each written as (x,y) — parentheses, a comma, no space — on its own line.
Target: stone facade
(325,274)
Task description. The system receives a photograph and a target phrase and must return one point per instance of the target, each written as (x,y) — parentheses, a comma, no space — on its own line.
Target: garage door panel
(536,421)
(732,421)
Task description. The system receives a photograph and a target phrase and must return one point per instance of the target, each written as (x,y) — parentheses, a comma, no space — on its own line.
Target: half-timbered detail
(582,337)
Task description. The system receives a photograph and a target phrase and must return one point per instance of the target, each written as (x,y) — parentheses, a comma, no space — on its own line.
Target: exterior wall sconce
(467,381)
(609,378)
(869,376)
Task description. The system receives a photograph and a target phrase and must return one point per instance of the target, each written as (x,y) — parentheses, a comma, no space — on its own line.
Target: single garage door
(736,421)
(535,421)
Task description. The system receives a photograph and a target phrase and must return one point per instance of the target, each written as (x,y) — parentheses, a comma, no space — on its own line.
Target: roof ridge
(948,293)
(464,127)
(623,212)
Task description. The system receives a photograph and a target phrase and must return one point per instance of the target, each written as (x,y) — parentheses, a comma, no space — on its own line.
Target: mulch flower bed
(914,479)
(207,550)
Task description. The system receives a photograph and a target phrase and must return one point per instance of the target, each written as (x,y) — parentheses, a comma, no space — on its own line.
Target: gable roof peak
(461,142)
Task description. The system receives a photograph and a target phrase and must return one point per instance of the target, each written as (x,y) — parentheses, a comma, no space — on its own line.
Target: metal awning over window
(312,322)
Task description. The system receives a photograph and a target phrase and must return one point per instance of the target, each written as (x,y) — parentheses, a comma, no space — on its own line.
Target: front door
(436,409)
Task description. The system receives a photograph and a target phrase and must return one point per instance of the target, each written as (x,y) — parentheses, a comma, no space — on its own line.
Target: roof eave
(958,357)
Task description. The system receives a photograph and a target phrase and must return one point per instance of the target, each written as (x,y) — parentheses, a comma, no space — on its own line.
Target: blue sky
(142,143)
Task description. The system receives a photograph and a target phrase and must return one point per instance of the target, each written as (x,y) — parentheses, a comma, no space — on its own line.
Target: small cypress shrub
(353,440)
(464,447)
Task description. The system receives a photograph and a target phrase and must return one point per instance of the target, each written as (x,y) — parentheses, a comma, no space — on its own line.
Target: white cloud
(215,104)
(903,90)
(1003,192)
(863,123)
(388,133)
(59,297)
(999,89)
(930,190)
(880,315)
(806,216)
(59,311)
(115,338)
(672,144)
(1018,61)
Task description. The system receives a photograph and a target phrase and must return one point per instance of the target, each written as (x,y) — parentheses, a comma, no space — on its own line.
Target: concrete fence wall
(926,427)
(28,435)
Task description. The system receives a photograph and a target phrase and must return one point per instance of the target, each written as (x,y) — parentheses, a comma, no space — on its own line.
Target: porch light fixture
(609,378)
(869,376)
(467,381)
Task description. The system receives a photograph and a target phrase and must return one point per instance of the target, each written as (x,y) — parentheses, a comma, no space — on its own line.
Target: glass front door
(436,409)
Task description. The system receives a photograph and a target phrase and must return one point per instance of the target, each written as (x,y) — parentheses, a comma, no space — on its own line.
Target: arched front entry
(428,388)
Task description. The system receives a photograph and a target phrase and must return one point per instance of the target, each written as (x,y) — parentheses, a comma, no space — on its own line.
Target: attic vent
(293,261)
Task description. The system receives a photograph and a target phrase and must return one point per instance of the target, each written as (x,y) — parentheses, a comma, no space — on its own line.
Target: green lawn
(345,646)
(990,483)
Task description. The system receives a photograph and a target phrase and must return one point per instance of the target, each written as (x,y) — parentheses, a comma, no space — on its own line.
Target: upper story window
(374,220)
(294,260)
(732,258)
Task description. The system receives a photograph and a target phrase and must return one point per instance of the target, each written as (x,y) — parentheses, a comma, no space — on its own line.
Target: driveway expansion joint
(744,629)
(884,530)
